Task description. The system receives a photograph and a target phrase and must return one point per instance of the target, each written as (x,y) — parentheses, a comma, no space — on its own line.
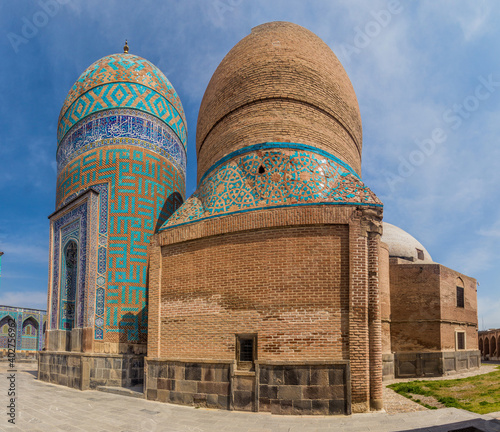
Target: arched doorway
(30,335)
(493,347)
(4,331)
(486,347)
(69,286)
(481,348)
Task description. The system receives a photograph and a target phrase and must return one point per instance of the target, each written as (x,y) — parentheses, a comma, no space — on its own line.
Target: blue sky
(427,77)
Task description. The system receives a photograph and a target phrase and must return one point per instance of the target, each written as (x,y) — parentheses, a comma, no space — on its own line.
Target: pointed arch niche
(69,284)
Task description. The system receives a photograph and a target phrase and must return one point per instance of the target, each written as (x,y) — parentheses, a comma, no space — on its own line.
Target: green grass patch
(479,394)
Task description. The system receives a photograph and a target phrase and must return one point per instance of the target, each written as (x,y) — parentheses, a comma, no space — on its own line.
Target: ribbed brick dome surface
(281,83)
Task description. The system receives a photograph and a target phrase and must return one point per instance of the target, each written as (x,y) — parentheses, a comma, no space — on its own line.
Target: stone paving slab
(43,407)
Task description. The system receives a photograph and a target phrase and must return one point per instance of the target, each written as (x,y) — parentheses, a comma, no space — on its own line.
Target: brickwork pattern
(385,298)
(299,307)
(375,326)
(290,86)
(358,319)
(424,308)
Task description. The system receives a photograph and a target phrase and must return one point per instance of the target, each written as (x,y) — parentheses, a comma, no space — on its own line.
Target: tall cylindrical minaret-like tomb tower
(121,161)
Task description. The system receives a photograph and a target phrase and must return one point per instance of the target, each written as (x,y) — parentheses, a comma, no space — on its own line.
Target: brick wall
(385,297)
(424,308)
(288,285)
(463,319)
(304,279)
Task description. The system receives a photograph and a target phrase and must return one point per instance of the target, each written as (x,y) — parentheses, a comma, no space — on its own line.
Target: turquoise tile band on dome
(123,68)
(279,145)
(122,95)
(271,175)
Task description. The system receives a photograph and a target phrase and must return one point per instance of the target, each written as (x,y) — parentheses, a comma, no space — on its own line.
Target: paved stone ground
(46,407)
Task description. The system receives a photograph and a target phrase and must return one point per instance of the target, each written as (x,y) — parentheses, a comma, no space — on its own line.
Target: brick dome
(281,83)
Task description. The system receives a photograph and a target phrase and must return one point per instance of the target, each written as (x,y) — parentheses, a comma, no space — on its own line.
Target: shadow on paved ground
(477,425)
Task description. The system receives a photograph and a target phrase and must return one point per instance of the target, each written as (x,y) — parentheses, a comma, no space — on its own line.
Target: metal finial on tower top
(125,48)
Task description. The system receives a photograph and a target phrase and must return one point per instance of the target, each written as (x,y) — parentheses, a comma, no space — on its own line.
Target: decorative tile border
(271,175)
(121,127)
(122,95)
(22,318)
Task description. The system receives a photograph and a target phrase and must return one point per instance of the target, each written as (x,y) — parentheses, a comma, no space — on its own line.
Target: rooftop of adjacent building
(15,308)
(403,245)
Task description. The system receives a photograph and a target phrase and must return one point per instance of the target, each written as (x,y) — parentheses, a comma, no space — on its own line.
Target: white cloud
(29,299)
(25,251)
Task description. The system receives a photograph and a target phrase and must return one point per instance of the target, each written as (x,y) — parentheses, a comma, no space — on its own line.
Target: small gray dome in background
(403,245)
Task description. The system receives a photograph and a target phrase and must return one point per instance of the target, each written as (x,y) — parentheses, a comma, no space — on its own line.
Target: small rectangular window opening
(420,254)
(460,340)
(460,297)
(246,349)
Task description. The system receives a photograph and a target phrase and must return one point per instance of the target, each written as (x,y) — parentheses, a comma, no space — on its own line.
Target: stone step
(135,392)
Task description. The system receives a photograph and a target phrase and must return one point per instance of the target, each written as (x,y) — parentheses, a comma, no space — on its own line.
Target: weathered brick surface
(385,298)
(297,277)
(280,83)
(375,327)
(358,320)
(425,316)
(289,285)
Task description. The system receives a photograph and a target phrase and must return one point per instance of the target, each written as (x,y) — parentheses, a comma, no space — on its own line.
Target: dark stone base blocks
(305,389)
(200,384)
(278,388)
(88,371)
(418,364)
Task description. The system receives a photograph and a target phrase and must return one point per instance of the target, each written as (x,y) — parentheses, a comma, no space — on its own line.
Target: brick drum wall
(295,277)
(288,285)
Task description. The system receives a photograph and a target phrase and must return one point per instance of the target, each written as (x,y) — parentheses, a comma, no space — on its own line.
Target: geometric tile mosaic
(270,175)
(30,327)
(141,188)
(124,95)
(124,68)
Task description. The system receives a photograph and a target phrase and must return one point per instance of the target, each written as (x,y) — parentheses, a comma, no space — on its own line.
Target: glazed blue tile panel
(273,175)
(119,127)
(122,95)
